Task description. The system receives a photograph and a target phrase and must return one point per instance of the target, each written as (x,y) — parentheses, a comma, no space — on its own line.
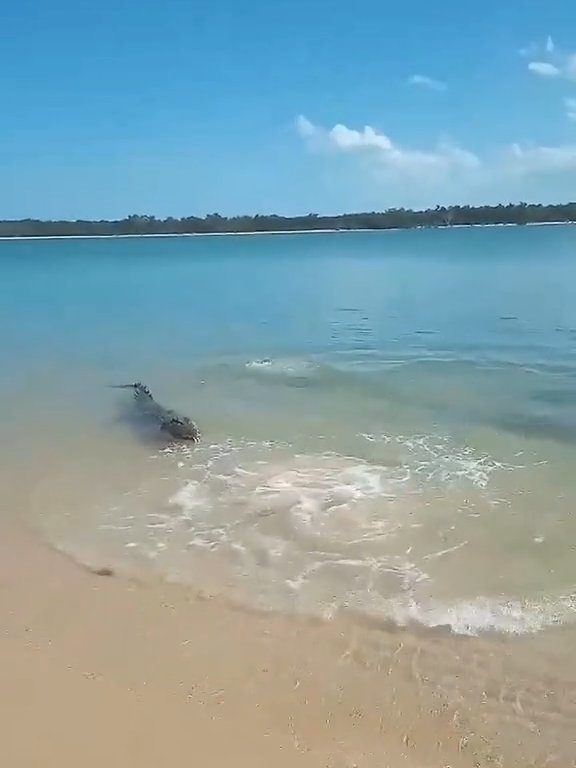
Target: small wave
(283,366)
(484,614)
(328,496)
(438,461)
(318,533)
(321,529)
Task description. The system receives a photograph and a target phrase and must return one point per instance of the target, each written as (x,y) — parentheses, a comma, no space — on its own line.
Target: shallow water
(389,418)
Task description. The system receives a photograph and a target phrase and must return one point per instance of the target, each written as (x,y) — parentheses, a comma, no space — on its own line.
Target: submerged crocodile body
(180,427)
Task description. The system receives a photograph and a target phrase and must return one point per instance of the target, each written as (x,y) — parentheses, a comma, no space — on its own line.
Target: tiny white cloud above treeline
(389,159)
(387,155)
(427,82)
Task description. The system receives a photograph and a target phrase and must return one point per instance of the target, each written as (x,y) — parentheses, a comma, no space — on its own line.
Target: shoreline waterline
(286,232)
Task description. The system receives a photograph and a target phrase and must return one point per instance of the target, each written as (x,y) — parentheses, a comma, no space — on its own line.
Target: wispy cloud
(570,104)
(304,127)
(544,68)
(548,61)
(540,159)
(427,82)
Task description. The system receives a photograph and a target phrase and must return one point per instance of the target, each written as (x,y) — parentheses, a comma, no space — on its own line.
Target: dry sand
(107,671)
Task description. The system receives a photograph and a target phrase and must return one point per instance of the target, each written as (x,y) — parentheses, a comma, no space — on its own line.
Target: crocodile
(176,425)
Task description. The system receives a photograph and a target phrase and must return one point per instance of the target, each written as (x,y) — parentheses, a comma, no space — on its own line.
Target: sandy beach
(100,670)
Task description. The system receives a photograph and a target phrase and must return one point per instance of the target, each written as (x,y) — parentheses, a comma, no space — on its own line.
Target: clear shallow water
(389,418)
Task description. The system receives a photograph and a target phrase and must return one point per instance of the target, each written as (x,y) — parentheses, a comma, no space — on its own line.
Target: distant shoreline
(283,231)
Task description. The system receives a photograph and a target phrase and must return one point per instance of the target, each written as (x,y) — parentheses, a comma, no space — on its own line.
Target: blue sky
(184,108)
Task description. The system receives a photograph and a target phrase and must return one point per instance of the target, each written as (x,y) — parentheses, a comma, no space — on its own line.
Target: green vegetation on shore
(402,218)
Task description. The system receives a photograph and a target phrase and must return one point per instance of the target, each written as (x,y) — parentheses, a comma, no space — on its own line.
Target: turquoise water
(369,297)
(389,417)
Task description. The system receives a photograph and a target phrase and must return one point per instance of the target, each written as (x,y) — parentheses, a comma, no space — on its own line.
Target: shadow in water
(543,427)
(556,396)
(145,429)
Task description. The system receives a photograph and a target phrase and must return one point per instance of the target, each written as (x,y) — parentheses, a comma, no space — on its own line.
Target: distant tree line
(401,218)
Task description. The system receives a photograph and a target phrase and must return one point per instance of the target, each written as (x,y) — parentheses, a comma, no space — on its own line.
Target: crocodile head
(181,428)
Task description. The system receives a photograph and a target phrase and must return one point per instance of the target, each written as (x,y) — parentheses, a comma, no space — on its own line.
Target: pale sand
(106,671)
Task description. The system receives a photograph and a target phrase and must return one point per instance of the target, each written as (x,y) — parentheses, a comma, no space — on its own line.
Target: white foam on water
(437,460)
(190,497)
(305,529)
(318,533)
(283,366)
(442,552)
(485,614)
(323,496)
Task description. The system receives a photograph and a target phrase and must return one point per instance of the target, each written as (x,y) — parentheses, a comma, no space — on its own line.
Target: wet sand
(103,670)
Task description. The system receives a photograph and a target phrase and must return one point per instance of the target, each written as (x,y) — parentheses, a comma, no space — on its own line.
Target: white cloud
(388,157)
(540,159)
(384,160)
(348,138)
(570,67)
(544,68)
(304,127)
(570,104)
(549,61)
(530,50)
(427,82)
(555,64)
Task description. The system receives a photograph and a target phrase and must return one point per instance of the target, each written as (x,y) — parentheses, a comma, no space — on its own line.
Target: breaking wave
(483,614)
(283,366)
(322,533)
